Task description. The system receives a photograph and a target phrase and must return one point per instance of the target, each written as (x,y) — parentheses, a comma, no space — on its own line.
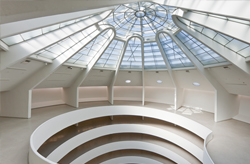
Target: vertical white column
(71,94)
(112,83)
(226,104)
(178,90)
(143,80)
(21,94)
(231,56)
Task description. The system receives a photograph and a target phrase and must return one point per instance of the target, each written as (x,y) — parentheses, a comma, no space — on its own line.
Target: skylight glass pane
(236,45)
(174,54)
(67,23)
(227,41)
(205,55)
(12,40)
(111,55)
(132,58)
(50,28)
(153,57)
(31,34)
(54,29)
(63,46)
(96,46)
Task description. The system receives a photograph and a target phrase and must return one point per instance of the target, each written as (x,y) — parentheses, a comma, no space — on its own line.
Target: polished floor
(230,144)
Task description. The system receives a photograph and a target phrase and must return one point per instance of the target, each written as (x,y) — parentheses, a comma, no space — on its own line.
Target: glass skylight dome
(135,36)
(141,18)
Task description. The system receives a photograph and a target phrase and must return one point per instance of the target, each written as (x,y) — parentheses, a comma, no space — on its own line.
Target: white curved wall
(47,97)
(131,159)
(138,145)
(129,93)
(97,93)
(159,94)
(89,135)
(46,130)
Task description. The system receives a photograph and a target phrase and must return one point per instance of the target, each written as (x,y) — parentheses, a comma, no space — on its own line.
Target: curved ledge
(131,159)
(45,131)
(139,145)
(89,135)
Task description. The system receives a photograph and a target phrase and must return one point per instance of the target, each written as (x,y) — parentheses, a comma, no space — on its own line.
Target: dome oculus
(141,18)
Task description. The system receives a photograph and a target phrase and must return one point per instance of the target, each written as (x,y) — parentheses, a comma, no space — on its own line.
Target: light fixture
(128,81)
(196,84)
(69,67)
(159,81)
(26,62)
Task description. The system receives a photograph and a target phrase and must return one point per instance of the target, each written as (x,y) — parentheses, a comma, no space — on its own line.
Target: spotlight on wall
(196,84)
(45,63)
(159,81)
(128,81)
(26,62)
(70,68)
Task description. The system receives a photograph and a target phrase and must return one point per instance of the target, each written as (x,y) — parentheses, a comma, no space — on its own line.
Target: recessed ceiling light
(159,81)
(128,81)
(196,84)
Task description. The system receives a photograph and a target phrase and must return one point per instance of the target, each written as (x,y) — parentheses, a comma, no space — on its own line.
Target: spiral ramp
(120,134)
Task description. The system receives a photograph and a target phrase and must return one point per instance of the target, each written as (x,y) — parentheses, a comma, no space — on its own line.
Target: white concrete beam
(112,83)
(220,25)
(231,56)
(179,92)
(25,49)
(143,72)
(22,93)
(3,46)
(226,104)
(12,11)
(10,29)
(119,64)
(235,9)
(71,93)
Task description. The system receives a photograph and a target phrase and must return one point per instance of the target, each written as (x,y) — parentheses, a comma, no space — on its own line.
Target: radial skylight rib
(234,45)
(174,54)
(59,48)
(67,27)
(132,58)
(111,55)
(142,18)
(153,57)
(87,53)
(205,55)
